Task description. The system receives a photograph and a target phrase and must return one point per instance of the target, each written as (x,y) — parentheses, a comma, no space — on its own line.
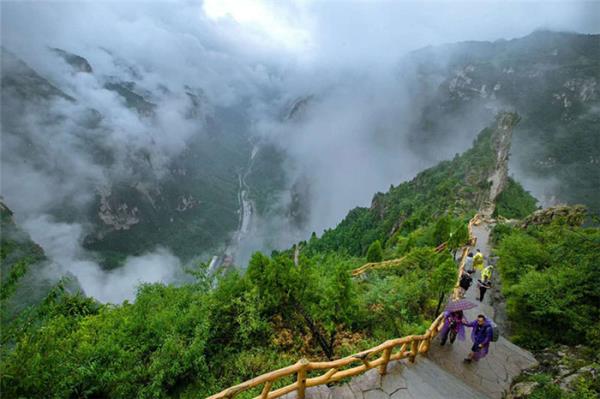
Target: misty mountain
(22,263)
(360,134)
(141,196)
(552,79)
(139,162)
(125,345)
(454,188)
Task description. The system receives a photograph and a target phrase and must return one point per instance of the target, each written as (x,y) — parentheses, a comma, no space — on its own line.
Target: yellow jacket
(478,261)
(486,274)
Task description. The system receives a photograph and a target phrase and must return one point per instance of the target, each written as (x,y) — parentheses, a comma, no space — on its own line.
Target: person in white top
(469,262)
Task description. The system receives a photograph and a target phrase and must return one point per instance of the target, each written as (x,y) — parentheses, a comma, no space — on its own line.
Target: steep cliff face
(501,143)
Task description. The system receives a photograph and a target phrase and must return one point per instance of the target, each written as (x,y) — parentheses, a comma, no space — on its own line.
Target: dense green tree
(514,202)
(145,349)
(442,280)
(551,280)
(442,230)
(375,252)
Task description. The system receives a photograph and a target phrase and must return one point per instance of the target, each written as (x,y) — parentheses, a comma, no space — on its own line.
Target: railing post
(302,377)
(265,392)
(414,348)
(424,345)
(386,358)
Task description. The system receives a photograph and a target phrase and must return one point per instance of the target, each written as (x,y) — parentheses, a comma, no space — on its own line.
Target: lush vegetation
(551,280)
(514,202)
(375,252)
(192,340)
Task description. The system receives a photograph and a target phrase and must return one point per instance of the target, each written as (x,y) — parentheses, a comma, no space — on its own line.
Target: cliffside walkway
(493,374)
(442,373)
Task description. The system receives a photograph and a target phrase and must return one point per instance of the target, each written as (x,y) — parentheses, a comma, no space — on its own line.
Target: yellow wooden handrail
(408,347)
(388,263)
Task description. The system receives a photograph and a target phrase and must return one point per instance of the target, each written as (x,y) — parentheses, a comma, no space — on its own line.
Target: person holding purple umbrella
(454,326)
(454,320)
(481,335)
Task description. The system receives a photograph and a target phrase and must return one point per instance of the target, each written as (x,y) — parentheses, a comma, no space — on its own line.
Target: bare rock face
(185,203)
(572,215)
(118,217)
(522,390)
(77,62)
(501,140)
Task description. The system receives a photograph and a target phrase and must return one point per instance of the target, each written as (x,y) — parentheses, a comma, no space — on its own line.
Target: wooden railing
(388,263)
(335,370)
(457,292)
(395,349)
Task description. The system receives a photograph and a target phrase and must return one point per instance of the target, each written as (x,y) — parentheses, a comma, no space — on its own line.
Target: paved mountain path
(423,379)
(493,374)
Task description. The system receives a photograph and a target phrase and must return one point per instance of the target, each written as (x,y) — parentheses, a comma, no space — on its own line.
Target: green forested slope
(19,255)
(551,281)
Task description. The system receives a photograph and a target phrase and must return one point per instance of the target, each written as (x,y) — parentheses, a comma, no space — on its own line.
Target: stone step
(420,380)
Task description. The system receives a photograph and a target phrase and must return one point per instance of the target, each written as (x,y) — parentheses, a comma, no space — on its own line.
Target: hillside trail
(443,374)
(493,374)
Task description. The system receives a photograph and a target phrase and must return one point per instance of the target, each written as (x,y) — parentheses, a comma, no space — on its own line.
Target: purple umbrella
(461,304)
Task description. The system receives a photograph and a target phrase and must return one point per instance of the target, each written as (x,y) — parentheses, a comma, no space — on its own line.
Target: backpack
(465,281)
(495,333)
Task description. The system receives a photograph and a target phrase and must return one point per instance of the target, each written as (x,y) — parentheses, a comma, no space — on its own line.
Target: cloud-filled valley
(137,147)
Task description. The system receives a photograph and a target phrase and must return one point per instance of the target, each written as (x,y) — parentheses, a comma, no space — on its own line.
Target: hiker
(481,335)
(454,325)
(486,274)
(469,262)
(478,260)
(465,281)
(485,282)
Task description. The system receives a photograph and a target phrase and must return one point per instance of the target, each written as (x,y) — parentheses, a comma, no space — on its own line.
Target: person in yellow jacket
(486,274)
(486,281)
(478,260)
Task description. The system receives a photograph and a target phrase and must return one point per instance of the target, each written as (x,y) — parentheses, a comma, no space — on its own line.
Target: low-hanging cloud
(352,140)
(62,245)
